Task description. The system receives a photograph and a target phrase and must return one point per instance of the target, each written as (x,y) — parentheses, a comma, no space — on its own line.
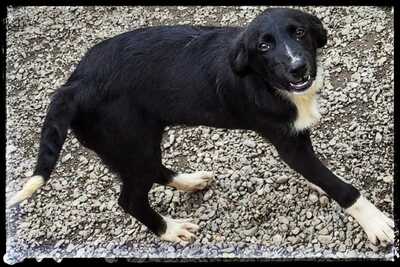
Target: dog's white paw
(377,226)
(192,181)
(179,230)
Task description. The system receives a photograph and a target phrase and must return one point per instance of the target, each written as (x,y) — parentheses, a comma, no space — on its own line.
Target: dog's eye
(264,47)
(300,32)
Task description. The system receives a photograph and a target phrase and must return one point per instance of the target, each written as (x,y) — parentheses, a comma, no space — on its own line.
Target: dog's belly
(210,119)
(86,131)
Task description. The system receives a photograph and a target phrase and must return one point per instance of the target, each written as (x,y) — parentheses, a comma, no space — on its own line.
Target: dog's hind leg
(188,182)
(134,200)
(138,171)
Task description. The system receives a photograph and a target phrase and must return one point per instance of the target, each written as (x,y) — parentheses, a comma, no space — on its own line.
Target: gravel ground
(257,207)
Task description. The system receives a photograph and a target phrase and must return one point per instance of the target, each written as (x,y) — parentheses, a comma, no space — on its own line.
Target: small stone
(324,231)
(207,160)
(296,231)
(282,179)
(57,186)
(67,157)
(244,161)
(228,250)
(208,195)
(353,85)
(69,248)
(250,231)
(283,227)
(378,138)
(83,160)
(388,179)
(91,168)
(250,143)
(313,198)
(309,215)
(207,216)
(11,148)
(206,131)
(166,145)
(214,227)
(171,139)
(332,142)
(324,201)
(277,239)
(246,170)
(59,243)
(283,220)
(324,239)
(117,231)
(168,195)
(381,61)
(292,239)
(379,28)
(215,137)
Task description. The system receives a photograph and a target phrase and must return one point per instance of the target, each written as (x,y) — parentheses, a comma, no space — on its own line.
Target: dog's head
(280,45)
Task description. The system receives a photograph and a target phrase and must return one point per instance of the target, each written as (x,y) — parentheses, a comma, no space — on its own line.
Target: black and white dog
(127,89)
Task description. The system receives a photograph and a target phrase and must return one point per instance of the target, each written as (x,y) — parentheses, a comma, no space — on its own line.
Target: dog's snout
(298,69)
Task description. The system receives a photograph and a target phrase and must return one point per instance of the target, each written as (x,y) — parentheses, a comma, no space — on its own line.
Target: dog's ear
(238,55)
(318,31)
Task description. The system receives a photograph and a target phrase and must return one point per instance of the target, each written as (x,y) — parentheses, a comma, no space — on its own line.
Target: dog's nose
(298,69)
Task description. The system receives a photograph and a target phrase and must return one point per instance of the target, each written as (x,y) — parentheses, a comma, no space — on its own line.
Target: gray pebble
(296,231)
(388,178)
(324,201)
(282,179)
(324,239)
(379,28)
(208,195)
(66,157)
(277,239)
(313,198)
(215,137)
(249,143)
(251,231)
(11,148)
(378,138)
(283,220)
(324,231)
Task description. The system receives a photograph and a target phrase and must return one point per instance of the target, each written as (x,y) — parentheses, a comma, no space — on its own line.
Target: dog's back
(157,69)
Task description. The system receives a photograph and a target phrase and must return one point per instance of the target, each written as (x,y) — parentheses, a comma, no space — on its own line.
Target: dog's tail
(60,113)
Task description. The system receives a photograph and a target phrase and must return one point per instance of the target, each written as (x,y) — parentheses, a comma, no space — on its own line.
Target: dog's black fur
(127,89)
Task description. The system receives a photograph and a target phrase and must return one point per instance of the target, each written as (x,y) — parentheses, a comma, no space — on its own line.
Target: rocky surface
(257,206)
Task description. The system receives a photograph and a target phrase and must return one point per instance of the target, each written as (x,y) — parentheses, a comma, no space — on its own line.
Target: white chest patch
(306,104)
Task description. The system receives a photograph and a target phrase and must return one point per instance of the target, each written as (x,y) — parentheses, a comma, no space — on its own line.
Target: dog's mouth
(302,85)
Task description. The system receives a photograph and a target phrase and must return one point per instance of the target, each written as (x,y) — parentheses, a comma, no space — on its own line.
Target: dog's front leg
(296,150)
